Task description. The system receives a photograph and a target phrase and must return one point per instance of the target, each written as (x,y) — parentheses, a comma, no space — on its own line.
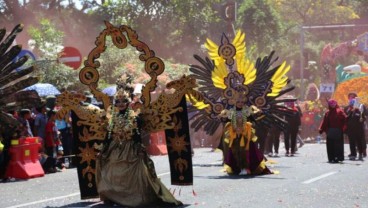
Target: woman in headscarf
(334,125)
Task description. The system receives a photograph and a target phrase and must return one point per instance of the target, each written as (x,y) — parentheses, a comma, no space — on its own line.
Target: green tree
(261,23)
(173,28)
(115,61)
(295,13)
(48,44)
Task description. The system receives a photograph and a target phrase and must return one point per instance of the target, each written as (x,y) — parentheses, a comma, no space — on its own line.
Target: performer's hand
(224,114)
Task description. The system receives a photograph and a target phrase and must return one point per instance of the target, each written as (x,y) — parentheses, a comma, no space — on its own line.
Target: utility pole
(228,13)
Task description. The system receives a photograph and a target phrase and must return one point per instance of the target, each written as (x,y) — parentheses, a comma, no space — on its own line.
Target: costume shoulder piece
(14,78)
(228,74)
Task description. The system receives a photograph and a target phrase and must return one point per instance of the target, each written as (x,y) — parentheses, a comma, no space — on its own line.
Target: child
(59,155)
(51,135)
(48,163)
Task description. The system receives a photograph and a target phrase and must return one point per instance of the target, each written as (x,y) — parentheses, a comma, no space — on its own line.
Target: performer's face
(240,103)
(122,102)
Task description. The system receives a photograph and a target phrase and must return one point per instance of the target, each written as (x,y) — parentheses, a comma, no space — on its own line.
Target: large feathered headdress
(227,73)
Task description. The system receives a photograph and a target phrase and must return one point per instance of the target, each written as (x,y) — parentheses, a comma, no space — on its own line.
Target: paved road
(306,180)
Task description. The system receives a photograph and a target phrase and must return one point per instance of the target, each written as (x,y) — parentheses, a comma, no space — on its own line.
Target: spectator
(59,155)
(334,125)
(40,121)
(14,113)
(273,138)
(291,132)
(355,127)
(5,138)
(51,135)
(261,133)
(24,116)
(48,163)
(66,138)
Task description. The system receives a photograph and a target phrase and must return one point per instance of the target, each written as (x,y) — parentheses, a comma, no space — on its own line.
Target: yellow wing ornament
(244,65)
(279,79)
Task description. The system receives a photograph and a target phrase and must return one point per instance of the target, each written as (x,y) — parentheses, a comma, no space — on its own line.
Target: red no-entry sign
(71,57)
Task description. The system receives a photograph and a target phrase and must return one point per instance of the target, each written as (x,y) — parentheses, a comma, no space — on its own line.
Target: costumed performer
(229,83)
(125,173)
(241,155)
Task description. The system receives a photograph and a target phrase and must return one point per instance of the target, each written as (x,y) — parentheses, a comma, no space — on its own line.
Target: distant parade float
(351,78)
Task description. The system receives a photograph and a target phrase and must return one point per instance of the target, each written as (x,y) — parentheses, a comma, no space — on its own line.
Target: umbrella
(44,89)
(110,91)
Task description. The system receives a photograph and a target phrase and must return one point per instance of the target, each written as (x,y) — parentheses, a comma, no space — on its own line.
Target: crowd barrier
(24,159)
(157,144)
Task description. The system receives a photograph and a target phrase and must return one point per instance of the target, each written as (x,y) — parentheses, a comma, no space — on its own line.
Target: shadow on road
(207,165)
(101,204)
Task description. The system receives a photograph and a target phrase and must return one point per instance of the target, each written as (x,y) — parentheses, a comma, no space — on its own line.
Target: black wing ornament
(12,81)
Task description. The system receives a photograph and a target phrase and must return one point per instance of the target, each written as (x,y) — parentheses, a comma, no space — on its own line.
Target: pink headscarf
(290,104)
(332,103)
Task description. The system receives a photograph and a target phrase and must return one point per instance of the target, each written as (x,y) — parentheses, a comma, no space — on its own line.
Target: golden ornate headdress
(124,88)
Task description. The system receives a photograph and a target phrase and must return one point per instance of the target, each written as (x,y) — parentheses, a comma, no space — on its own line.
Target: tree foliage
(294,14)
(48,44)
(261,23)
(176,29)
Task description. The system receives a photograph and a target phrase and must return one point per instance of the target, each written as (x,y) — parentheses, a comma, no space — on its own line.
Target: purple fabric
(255,157)
(231,161)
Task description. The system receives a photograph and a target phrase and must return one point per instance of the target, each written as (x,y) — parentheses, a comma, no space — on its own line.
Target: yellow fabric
(271,162)
(245,135)
(228,169)
(260,168)
(275,172)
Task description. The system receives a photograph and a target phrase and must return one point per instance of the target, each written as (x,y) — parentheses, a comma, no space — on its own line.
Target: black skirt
(335,145)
